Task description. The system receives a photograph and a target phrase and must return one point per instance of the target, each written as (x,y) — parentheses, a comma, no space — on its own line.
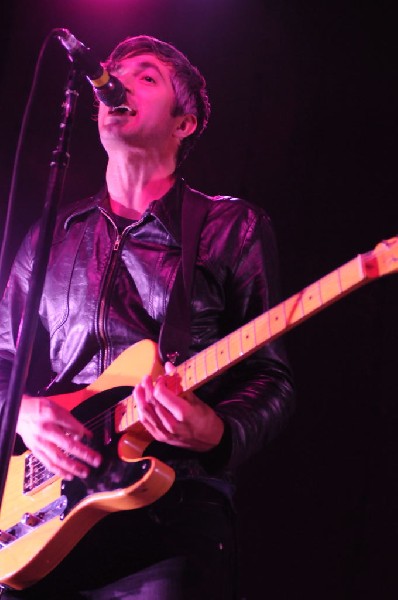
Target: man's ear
(186,126)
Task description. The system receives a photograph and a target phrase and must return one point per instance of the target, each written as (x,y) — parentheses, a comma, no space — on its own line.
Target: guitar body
(59,512)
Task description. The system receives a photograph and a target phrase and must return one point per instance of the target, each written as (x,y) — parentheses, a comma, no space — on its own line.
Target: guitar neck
(268,326)
(236,346)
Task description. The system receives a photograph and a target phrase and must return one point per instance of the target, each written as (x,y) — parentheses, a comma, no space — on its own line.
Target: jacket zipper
(104,304)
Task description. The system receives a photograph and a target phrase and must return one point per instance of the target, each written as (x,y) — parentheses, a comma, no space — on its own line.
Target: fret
(189,376)
(231,347)
(294,309)
(228,340)
(210,360)
(182,371)
(200,366)
(265,331)
(311,299)
(351,273)
(236,345)
(195,370)
(318,283)
(247,339)
(301,294)
(205,364)
(276,320)
(222,353)
(121,416)
(263,328)
(269,328)
(330,286)
(239,332)
(283,306)
(216,356)
(125,414)
(338,271)
(255,332)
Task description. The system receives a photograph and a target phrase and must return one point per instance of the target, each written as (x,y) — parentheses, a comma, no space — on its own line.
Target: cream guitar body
(43,517)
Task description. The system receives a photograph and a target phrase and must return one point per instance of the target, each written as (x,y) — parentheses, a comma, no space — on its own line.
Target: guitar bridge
(33,521)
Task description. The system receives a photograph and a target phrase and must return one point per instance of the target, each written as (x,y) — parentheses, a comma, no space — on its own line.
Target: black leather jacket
(106,290)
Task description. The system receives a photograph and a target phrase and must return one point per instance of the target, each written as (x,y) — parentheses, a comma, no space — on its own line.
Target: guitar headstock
(383,260)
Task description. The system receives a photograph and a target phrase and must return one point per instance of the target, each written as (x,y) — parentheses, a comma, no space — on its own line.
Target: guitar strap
(175,333)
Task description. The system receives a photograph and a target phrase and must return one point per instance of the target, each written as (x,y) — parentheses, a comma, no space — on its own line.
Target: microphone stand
(58,167)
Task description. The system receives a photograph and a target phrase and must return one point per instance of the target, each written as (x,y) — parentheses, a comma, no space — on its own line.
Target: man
(113,262)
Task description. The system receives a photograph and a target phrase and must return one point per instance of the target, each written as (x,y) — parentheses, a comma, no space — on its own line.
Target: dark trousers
(180,548)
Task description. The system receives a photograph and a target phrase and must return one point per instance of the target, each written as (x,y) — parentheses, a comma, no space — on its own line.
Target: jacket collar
(167,210)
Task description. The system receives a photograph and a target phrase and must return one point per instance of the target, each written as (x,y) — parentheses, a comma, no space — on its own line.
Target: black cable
(11,205)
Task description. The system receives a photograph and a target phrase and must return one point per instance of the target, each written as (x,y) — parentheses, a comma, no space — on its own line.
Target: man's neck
(134,183)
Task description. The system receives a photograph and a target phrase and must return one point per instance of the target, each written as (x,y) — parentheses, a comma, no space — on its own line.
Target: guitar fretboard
(263,329)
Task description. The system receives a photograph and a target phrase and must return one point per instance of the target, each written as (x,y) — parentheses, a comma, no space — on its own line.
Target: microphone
(108,89)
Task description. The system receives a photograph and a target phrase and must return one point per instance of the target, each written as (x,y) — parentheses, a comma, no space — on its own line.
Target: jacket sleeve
(254,398)
(11,311)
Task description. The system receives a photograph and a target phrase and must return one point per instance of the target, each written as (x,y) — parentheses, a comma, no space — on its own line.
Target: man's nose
(127,83)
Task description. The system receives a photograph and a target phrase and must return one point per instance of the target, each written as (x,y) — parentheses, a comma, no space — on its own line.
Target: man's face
(146,122)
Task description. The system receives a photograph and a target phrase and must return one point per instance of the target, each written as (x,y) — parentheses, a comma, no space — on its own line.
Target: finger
(143,399)
(169,368)
(59,463)
(176,405)
(147,384)
(172,379)
(69,423)
(140,397)
(70,444)
(41,410)
(66,464)
(169,425)
(147,409)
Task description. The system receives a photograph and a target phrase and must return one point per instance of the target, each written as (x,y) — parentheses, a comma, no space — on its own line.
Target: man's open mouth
(123,109)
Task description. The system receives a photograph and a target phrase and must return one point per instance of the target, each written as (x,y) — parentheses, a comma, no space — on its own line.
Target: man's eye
(149,79)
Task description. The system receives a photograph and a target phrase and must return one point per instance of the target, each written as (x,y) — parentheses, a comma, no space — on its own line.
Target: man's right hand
(54,436)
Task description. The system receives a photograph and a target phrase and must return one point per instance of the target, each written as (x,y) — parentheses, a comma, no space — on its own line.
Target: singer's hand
(179,421)
(55,437)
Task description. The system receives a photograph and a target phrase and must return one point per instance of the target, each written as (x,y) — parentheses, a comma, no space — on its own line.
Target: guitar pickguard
(113,473)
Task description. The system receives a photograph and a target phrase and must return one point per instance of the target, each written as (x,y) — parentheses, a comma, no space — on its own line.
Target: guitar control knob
(31,520)
(6,538)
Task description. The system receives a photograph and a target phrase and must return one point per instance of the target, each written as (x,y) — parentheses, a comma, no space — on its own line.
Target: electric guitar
(43,517)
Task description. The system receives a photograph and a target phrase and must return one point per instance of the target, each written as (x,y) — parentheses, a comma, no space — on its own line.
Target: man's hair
(188,83)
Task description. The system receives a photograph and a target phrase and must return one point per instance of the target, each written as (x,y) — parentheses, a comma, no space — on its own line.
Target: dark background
(304,123)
